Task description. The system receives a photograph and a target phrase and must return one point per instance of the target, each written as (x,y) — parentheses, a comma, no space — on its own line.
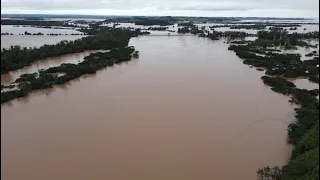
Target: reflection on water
(185,110)
(45,64)
(302,51)
(305,84)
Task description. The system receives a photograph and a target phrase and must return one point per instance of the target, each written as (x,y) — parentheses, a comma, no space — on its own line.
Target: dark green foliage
(277,82)
(33,22)
(27,77)
(254,26)
(284,34)
(241,42)
(275,71)
(157,28)
(309,141)
(189,28)
(277,64)
(268,173)
(314,79)
(303,167)
(303,125)
(215,35)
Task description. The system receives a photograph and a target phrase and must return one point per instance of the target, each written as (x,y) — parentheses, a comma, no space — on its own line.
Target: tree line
(41,34)
(34,23)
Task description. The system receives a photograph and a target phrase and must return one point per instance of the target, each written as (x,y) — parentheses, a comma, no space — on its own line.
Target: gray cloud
(283,8)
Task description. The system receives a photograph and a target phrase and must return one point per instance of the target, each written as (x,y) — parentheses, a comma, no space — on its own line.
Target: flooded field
(21,29)
(31,41)
(186,109)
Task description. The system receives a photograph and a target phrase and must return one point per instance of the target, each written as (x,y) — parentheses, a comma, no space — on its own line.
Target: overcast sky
(240,8)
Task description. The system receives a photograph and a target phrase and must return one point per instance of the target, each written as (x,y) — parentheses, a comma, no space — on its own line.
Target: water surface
(186,109)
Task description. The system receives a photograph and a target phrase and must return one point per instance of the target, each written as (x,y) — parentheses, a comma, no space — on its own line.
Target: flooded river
(186,109)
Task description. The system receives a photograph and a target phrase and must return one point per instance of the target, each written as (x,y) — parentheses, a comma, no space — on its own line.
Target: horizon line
(305,18)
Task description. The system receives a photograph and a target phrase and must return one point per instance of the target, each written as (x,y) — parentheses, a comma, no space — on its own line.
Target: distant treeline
(157,28)
(41,34)
(257,26)
(143,21)
(285,35)
(34,23)
(214,35)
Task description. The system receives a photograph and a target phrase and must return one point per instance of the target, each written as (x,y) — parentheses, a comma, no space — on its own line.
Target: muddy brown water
(186,109)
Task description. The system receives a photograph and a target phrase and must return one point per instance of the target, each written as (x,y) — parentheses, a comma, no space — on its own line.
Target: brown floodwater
(186,109)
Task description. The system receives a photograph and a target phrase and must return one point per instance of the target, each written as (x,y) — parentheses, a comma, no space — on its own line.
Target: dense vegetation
(253,26)
(214,35)
(257,26)
(275,63)
(284,35)
(157,28)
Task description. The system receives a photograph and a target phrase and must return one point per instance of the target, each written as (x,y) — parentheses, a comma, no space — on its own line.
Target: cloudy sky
(240,8)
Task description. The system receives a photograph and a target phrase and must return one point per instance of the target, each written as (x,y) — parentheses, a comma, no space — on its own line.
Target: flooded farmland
(32,41)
